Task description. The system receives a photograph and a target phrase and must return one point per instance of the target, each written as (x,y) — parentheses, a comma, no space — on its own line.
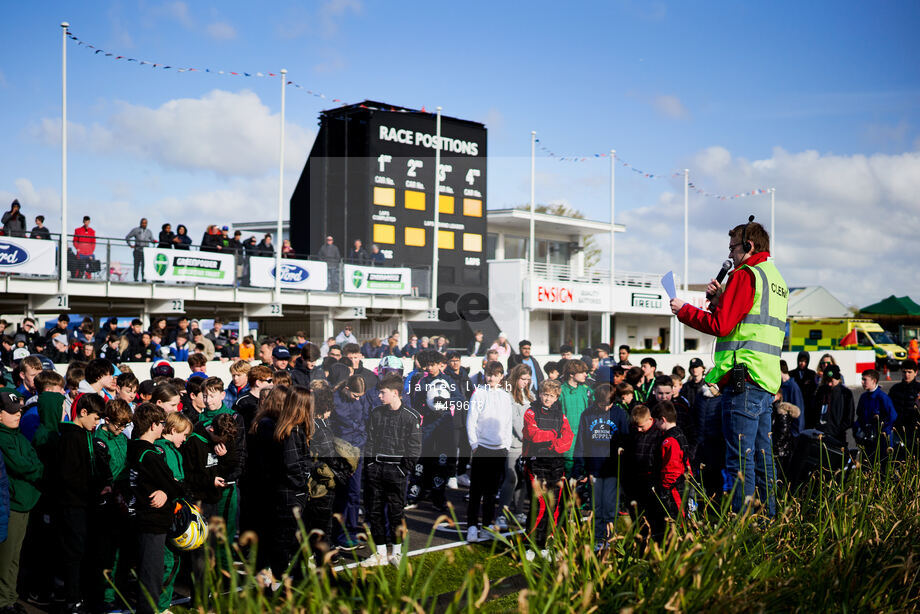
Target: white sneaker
(545,554)
(530,555)
(375,560)
(472,534)
(394,559)
(452,483)
(521,518)
(463,480)
(502,523)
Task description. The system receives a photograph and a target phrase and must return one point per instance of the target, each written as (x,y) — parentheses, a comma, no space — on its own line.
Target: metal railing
(567,272)
(115,260)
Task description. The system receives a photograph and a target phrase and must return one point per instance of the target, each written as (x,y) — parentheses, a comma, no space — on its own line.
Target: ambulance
(845,334)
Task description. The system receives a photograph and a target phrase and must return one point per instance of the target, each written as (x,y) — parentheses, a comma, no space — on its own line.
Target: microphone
(722,273)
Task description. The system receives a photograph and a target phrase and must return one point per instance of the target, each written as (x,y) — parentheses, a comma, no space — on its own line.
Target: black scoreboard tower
(371,176)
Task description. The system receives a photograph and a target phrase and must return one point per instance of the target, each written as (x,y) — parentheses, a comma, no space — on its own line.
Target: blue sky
(819,100)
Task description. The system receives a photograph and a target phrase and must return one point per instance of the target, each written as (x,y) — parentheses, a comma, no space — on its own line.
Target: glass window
(515,247)
(491,245)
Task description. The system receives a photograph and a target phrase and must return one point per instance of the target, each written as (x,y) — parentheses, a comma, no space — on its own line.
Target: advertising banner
(27,256)
(377,280)
(570,295)
(175,265)
(295,274)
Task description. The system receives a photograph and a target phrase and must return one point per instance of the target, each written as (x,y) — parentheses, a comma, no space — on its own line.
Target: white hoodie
(488,423)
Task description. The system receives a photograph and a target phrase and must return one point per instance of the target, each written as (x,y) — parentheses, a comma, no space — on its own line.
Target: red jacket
(673,462)
(736,302)
(558,442)
(84,241)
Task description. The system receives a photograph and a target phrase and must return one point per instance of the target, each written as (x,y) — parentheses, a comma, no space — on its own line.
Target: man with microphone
(748,316)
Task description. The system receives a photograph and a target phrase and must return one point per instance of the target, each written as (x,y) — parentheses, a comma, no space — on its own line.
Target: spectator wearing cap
(695,383)
(139,238)
(40,231)
(162,368)
(346,337)
(59,350)
(835,405)
(281,358)
(526,358)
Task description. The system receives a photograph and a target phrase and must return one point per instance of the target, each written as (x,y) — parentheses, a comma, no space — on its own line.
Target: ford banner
(295,274)
(28,256)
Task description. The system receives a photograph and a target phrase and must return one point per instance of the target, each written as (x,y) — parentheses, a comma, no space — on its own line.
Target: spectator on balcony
(329,253)
(372,348)
(442,344)
(357,254)
(14,222)
(159,326)
(324,348)
(178,349)
(84,244)
(39,231)
(182,240)
(502,346)
(198,338)
(346,336)
(210,240)
(287,250)
(167,237)
(392,348)
(139,238)
(265,247)
(61,328)
(377,257)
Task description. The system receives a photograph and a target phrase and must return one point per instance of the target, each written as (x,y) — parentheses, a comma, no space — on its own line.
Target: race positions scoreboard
(371,176)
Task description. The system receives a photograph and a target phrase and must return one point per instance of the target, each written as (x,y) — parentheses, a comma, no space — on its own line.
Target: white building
(563,302)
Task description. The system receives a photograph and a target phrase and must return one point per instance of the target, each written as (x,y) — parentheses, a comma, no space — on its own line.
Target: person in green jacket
(24,471)
(175,431)
(576,397)
(110,523)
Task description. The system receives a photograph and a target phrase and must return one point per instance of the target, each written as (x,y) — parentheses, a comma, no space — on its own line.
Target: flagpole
(437,210)
(773,221)
(613,155)
(62,284)
(280,193)
(533,207)
(686,228)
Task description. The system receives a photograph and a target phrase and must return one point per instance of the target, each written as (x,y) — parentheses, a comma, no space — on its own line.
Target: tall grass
(846,541)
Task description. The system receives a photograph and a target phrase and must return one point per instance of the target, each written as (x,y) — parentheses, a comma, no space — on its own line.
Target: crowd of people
(117,475)
(83,263)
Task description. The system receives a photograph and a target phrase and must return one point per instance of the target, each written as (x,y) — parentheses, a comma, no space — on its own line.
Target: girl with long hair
(518,383)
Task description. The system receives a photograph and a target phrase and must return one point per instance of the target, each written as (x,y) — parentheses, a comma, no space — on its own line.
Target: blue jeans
(606,507)
(746,425)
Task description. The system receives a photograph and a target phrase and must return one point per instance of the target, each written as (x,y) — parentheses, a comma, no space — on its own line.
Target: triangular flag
(849,339)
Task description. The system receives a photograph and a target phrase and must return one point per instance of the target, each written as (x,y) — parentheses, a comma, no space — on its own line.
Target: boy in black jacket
(601,440)
(80,483)
(155,492)
(645,465)
(394,442)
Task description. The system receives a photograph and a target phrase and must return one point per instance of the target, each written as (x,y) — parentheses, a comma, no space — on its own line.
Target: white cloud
(34,201)
(845,222)
(333,11)
(225,132)
(324,22)
(670,106)
(221,30)
(176,11)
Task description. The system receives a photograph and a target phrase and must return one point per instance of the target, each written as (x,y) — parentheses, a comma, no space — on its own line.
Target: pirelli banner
(178,265)
(377,280)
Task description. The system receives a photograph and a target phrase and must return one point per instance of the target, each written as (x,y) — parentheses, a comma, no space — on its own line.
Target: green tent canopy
(893,306)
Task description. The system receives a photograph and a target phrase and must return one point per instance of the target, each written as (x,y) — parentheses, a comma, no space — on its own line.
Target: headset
(747,245)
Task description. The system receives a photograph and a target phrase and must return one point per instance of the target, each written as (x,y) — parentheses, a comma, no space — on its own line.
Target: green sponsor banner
(377,280)
(170,265)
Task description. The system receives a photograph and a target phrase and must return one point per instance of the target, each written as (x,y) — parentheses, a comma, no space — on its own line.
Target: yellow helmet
(189,531)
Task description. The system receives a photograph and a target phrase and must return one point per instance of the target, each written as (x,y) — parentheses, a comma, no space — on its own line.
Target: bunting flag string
(647,175)
(238,73)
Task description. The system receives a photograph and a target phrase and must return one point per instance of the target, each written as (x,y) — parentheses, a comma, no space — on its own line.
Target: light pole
(62,284)
(280,193)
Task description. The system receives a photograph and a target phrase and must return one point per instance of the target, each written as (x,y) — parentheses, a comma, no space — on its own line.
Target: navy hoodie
(600,434)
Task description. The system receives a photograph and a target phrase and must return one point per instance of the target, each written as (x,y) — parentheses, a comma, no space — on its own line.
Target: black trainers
(38,599)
